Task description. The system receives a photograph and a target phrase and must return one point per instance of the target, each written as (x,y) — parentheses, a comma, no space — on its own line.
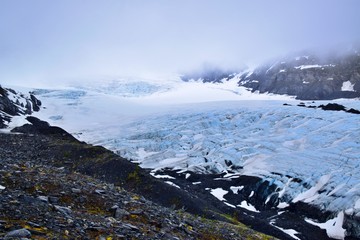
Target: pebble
(75,190)
(120,213)
(130,226)
(19,233)
(64,210)
(43,198)
(100,191)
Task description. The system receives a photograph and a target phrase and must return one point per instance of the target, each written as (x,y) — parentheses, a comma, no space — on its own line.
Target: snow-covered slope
(15,105)
(310,155)
(308,76)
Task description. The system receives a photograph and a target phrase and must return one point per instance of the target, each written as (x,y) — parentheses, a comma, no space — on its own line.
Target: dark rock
(64,210)
(120,213)
(19,233)
(332,107)
(53,200)
(75,190)
(43,198)
(36,103)
(100,191)
(354,111)
(130,227)
(38,126)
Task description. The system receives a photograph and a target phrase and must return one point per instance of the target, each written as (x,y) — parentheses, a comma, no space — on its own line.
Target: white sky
(44,41)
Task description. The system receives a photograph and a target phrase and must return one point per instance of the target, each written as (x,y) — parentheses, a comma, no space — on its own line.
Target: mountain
(13,103)
(308,77)
(285,163)
(279,165)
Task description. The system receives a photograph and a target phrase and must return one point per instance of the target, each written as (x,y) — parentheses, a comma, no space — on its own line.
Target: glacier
(310,155)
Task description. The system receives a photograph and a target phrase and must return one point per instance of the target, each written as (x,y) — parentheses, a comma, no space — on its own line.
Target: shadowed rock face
(308,77)
(13,104)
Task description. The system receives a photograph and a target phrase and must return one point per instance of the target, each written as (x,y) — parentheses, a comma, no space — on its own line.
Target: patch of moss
(134,176)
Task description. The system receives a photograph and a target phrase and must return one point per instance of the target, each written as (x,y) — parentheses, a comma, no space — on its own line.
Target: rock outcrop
(13,103)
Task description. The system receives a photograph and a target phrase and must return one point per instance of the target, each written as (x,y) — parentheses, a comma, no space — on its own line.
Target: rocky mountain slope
(13,103)
(308,77)
(53,186)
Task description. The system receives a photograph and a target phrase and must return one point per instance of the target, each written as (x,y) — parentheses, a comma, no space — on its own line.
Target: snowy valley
(178,129)
(268,156)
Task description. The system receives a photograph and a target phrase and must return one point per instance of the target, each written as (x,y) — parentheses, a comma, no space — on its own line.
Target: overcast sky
(60,40)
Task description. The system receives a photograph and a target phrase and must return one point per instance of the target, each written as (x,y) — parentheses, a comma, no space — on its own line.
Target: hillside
(53,186)
(308,77)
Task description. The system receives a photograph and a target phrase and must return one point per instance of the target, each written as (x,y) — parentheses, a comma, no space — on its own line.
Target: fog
(53,42)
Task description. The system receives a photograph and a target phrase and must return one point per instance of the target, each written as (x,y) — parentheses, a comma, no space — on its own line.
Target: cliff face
(308,77)
(13,103)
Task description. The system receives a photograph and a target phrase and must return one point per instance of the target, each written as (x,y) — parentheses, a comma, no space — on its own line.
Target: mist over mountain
(307,75)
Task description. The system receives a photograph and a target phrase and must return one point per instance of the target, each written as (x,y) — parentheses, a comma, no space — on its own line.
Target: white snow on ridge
(302,67)
(247,206)
(347,86)
(172,184)
(308,66)
(291,232)
(235,190)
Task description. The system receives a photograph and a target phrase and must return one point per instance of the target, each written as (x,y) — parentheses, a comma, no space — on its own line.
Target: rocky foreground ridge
(55,187)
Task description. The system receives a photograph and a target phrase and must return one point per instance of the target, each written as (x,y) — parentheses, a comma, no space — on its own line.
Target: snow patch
(161,176)
(219,193)
(236,190)
(291,232)
(248,206)
(308,66)
(172,184)
(251,194)
(333,226)
(230,205)
(282,205)
(347,86)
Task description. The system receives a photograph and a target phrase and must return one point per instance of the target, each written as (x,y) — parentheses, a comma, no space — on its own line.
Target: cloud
(45,41)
